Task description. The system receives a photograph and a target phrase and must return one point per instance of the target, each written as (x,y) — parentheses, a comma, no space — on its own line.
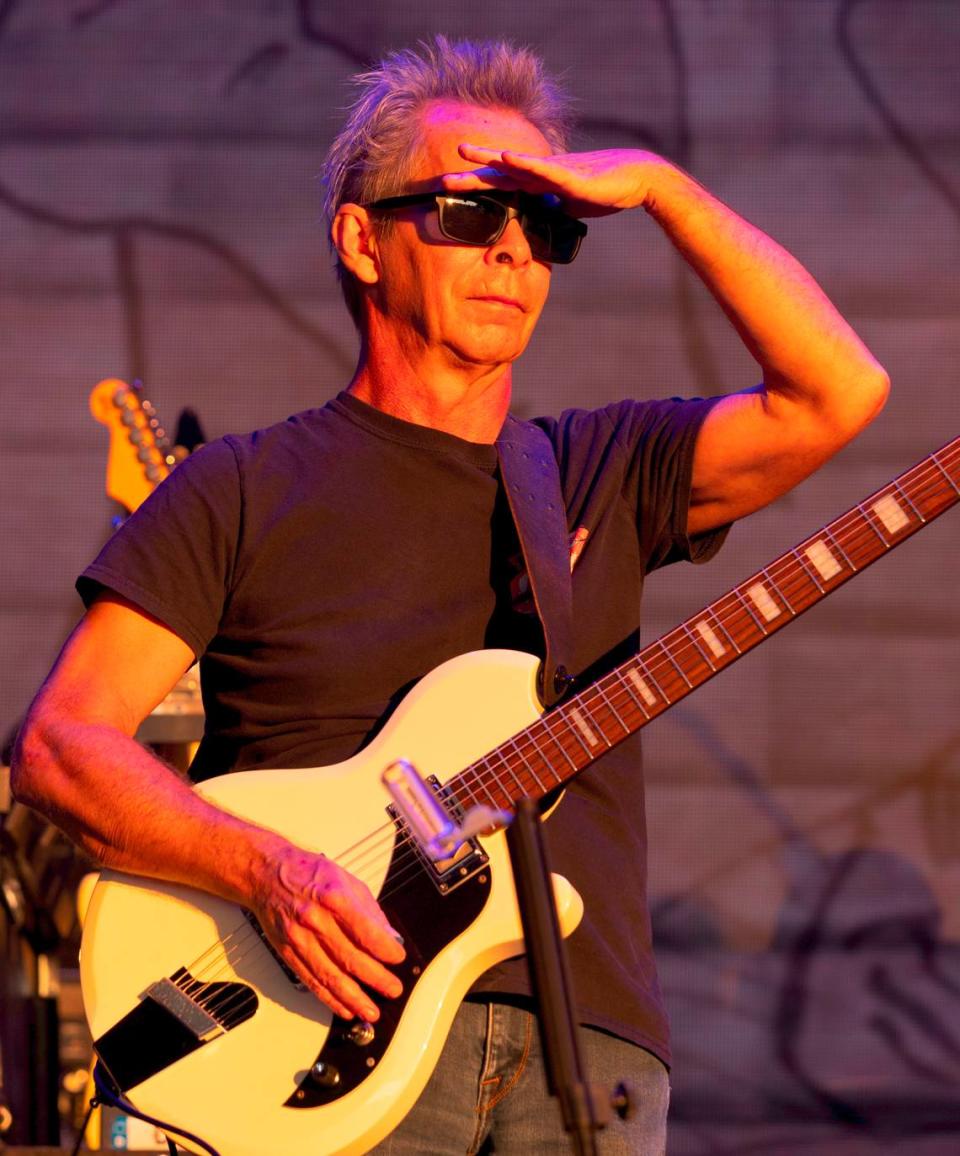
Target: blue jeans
(488,1093)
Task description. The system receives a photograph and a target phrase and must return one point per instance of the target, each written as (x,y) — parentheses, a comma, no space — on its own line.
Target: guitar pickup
(430,817)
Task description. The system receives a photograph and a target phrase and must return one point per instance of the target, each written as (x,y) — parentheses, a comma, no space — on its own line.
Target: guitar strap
(532,483)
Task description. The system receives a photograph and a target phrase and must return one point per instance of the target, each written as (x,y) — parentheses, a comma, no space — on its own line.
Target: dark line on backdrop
(901,136)
(257,282)
(93,11)
(6,11)
(309,31)
(696,347)
(681,77)
(257,67)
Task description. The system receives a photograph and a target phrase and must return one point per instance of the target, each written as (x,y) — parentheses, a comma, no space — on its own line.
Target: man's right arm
(76,761)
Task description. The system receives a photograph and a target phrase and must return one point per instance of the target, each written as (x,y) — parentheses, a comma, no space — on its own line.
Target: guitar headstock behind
(140,454)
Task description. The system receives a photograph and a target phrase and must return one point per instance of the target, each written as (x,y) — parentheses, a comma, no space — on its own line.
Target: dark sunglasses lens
(539,233)
(552,235)
(474,222)
(564,238)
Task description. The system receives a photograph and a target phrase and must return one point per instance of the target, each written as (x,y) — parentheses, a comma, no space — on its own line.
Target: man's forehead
(446,124)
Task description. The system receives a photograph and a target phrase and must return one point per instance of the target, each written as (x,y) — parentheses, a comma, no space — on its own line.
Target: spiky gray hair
(373,153)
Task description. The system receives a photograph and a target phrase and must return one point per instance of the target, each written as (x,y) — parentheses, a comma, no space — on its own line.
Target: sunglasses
(480,218)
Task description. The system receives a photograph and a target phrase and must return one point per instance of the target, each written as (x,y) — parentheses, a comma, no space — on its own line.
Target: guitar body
(247,1088)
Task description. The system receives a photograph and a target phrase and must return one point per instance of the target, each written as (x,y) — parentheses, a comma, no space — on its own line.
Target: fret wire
(843,554)
(679,668)
(649,678)
(906,497)
(579,737)
(463,782)
(796,580)
(527,764)
(471,779)
(746,605)
(929,487)
(644,672)
(494,769)
(741,613)
(697,646)
(487,790)
(950,480)
(811,574)
(625,680)
(597,686)
(783,598)
(717,622)
(516,777)
(869,516)
(545,723)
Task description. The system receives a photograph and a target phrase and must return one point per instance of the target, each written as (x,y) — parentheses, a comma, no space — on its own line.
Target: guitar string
(856,519)
(858,515)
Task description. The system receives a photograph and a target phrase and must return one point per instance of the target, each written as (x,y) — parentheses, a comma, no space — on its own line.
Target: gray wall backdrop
(159,219)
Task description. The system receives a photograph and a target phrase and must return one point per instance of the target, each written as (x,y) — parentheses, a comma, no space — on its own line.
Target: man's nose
(512,247)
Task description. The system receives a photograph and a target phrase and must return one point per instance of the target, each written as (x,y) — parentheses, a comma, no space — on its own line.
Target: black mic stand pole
(585,1108)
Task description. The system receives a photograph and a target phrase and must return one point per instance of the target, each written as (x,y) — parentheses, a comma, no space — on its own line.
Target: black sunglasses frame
(530,207)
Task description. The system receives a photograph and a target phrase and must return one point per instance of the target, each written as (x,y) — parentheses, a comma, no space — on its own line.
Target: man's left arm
(821,385)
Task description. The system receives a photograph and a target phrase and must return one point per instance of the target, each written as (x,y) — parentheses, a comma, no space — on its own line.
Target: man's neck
(470,403)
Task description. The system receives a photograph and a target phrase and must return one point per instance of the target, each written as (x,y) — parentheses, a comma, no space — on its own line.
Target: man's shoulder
(291,435)
(622,421)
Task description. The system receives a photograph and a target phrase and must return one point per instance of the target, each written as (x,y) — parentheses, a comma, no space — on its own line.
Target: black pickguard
(428,921)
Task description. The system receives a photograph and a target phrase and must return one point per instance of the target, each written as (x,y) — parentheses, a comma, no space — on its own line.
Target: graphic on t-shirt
(578,539)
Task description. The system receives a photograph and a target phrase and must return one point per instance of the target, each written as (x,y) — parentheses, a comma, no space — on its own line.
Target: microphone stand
(585,1107)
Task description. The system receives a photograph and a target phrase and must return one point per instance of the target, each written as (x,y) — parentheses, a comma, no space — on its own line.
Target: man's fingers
(339,991)
(343,947)
(361,918)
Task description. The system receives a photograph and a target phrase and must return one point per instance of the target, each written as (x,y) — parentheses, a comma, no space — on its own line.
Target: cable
(106,1095)
(83,1127)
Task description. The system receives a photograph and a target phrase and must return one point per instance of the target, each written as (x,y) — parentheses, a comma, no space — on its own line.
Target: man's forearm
(131,812)
(806,350)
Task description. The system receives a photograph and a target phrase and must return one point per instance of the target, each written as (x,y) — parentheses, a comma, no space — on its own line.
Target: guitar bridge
(463,863)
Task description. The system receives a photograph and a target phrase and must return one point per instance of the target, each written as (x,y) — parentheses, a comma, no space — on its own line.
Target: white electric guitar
(198,1022)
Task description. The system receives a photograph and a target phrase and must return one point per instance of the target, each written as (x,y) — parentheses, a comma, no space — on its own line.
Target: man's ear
(355,240)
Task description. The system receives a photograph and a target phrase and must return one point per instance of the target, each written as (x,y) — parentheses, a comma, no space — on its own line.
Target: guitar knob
(361,1033)
(324,1075)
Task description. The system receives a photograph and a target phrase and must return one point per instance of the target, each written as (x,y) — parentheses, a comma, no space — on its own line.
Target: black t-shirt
(322,566)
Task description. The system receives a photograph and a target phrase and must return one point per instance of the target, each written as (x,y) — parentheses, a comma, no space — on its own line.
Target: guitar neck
(565,741)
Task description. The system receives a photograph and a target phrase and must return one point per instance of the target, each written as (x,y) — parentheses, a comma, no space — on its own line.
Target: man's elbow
(855,406)
(875,390)
(32,765)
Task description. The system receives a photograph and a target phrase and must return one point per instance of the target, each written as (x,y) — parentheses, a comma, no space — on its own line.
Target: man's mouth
(497,299)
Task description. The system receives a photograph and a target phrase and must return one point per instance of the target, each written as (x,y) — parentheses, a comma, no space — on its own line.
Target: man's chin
(492,350)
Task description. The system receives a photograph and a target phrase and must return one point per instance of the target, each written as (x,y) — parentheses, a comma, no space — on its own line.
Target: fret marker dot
(826,565)
(890,512)
(710,638)
(584,727)
(760,597)
(645,692)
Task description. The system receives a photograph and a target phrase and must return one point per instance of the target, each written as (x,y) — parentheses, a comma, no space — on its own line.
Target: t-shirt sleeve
(659,439)
(646,449)
(174,556)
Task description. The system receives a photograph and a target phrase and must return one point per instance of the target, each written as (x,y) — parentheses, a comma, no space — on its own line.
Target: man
(320,567)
